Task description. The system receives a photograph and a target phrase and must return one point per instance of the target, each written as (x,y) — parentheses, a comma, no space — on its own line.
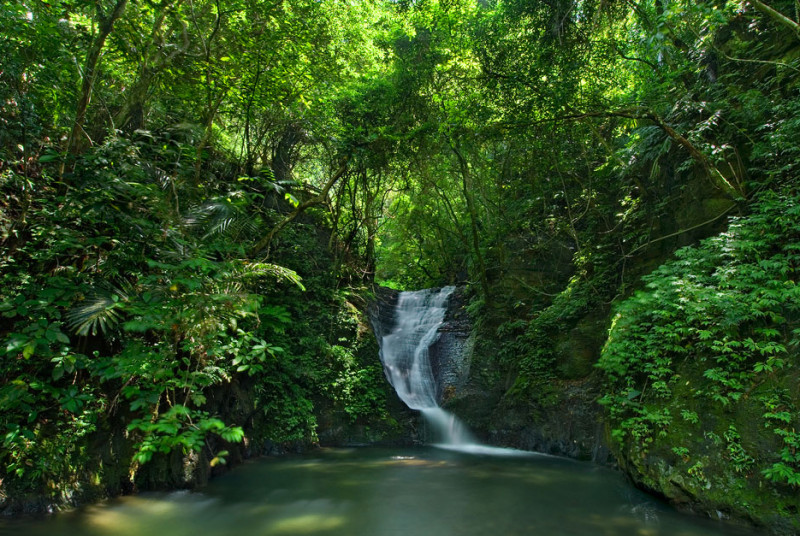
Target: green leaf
(58,372)
(49,157)
(233,434)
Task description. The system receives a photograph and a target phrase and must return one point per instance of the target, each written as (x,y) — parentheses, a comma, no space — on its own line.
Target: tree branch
(777,16)
(318,199)
(632,58)
(643,114)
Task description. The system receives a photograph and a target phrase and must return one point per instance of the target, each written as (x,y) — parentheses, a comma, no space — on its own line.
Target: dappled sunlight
(389,492)
(147,514)
(307,524)
(308,516)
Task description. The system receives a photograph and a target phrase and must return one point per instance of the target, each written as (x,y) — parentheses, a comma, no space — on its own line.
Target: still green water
(388,492)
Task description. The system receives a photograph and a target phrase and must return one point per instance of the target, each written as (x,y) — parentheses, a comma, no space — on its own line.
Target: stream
(389,492)
(457,487)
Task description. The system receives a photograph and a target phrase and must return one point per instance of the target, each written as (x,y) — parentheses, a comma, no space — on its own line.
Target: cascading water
(404,354)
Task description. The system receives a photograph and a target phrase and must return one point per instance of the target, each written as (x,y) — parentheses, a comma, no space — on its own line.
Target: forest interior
(201,199)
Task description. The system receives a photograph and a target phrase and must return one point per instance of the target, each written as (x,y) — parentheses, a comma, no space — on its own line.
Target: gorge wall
(469,385)
(696,366)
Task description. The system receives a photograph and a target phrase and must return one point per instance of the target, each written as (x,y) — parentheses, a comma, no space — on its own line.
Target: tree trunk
(371,212)
(316,200)
(466,184)
(106,24)
(282,154)
(153,62)
(209,124)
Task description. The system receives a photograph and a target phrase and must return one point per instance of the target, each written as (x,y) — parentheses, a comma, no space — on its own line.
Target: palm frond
(100,312)
(222,217)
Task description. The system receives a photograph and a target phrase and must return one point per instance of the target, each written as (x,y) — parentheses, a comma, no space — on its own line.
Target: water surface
(389,492)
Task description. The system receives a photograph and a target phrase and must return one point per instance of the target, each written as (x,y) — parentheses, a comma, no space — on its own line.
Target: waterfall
(404,354)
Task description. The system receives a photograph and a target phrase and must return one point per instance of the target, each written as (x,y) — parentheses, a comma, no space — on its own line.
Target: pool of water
(388,492)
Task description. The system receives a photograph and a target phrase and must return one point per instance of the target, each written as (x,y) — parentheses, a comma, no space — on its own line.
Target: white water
(404,353)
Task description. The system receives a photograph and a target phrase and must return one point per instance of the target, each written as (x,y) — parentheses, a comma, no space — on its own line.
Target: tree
(105,17)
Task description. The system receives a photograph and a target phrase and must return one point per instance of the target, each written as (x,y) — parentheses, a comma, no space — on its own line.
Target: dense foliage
(194,195)
(702,363)
(141,317)
(121,309)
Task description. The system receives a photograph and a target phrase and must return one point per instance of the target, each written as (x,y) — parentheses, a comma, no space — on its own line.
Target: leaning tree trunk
(318,199)
(106,23)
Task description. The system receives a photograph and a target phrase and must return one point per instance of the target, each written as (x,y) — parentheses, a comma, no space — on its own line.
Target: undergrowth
(715,333)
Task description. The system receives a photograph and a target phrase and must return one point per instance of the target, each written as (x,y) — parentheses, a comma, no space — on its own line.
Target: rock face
(468,384)
(569,426)
(566,421)
(451,354)
(381,310)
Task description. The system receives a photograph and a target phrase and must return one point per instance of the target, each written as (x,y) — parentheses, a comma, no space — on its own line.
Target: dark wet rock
(450,354)
(566,423)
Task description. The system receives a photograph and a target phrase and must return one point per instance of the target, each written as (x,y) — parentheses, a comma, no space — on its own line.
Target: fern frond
(253,270)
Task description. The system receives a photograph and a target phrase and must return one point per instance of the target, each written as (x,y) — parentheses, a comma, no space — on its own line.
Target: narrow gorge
(217,219)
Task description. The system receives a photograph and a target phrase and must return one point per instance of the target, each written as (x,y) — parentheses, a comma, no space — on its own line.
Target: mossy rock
(703,467)
(578,349)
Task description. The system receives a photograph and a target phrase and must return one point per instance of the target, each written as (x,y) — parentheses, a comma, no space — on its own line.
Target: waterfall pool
(389,492)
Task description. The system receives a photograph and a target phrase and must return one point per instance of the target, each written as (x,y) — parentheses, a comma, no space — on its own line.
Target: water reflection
(382,492)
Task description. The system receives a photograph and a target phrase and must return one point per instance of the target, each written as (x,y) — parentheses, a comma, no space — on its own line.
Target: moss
(699,465)
(702,376)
